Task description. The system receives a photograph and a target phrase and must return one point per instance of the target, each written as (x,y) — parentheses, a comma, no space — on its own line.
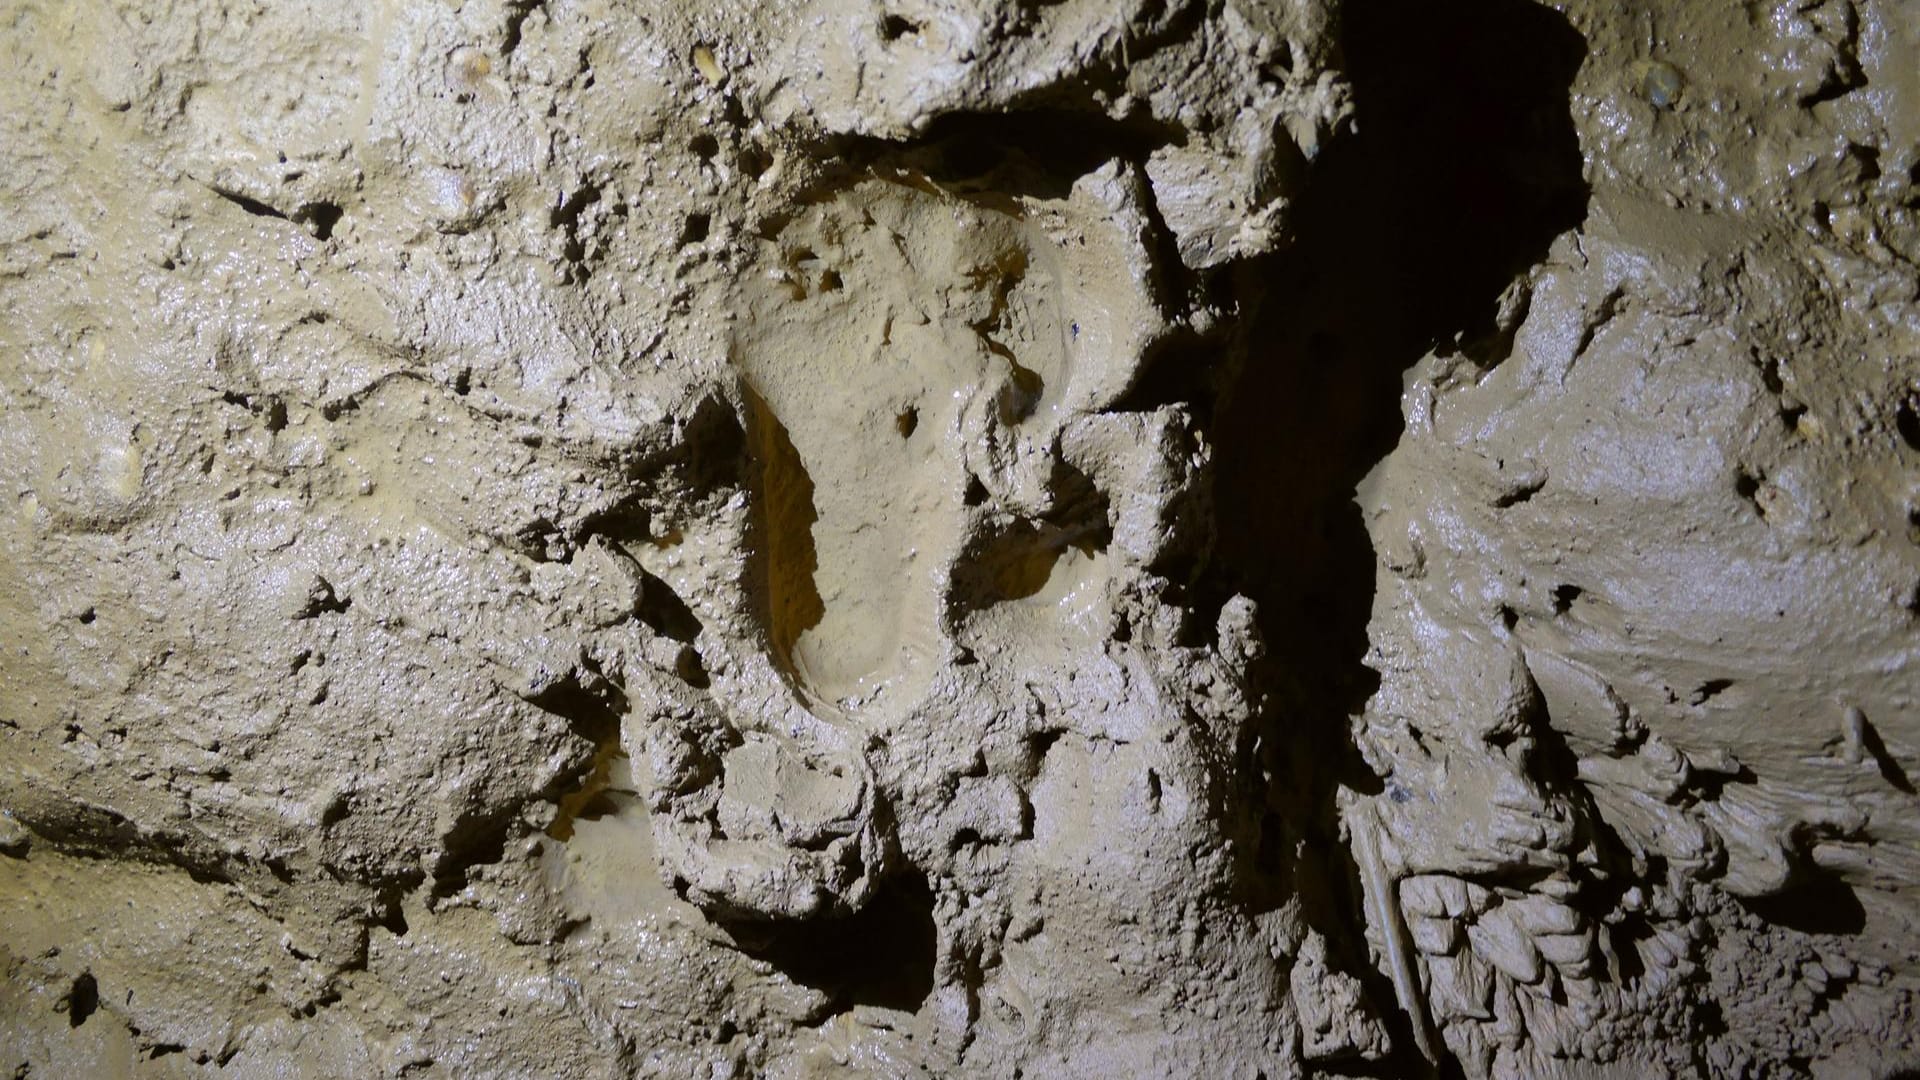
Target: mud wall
(959,538)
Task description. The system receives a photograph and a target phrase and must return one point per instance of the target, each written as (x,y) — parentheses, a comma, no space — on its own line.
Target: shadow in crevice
(1821,904)
(1464,167)
(785,524)
(1016,560)
(882,956)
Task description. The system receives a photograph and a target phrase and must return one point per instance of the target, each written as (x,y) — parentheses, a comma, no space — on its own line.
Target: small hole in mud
(1039,745)
(87,616)
(755,161)
(82,1000)
(976,492)
(883,956)
(895,27)
(1745,484)
(321,217)
(1769,373)
(907,422)
(691,668)
(1564,596)
(830,281)
(1177,370)
(393,920)
(696,228)
(1283,59)
(1907,419)
(1022,392)
(705,146)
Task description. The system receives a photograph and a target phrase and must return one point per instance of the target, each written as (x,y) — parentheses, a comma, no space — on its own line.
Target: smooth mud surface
(1249,539)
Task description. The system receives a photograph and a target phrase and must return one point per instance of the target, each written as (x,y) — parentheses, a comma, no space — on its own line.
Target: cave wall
(962,537)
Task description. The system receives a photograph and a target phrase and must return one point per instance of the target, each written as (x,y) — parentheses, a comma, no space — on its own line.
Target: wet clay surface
(962,538)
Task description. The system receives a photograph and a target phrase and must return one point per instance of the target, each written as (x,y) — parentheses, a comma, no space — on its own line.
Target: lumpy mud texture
(1241,538)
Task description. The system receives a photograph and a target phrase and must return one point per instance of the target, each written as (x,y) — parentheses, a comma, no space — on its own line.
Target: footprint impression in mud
(902,343)
(909,360)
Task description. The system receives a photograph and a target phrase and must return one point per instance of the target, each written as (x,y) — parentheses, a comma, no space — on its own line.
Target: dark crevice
(1181,368)
(1906,420)
(590,702)
(478,838)
(1890,768)
(882,956)
(268,407)
(755,161)
(665,613)
(895,27)
(1039,745)
(784,533)
(567,214)
(539,540)
(593,706)
(1463,169)
(997,157)
(717,446)
(517,12)
(82,999)
(1405,243)
(691,667)
(1016,562)
(320,218)
(566,219)
(390,914)
(1564,597)
(250,205)
(1708,690)
(1822,904)
(1016,559)
(593,797)
(1842,79)
(1521,490)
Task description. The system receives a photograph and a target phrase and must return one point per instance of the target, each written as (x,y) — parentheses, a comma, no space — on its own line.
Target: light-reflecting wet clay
(959,537)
